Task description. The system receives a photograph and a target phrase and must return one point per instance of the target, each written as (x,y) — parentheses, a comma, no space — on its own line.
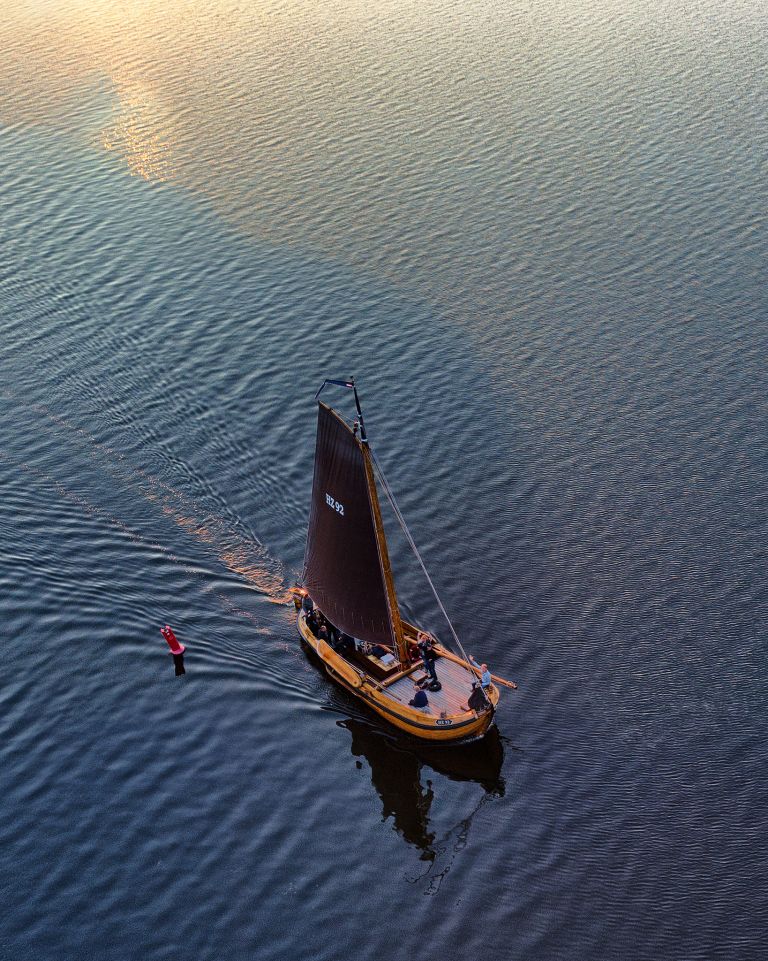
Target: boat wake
(228,538)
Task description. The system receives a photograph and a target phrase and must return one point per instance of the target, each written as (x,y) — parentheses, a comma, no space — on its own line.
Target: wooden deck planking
(456,682)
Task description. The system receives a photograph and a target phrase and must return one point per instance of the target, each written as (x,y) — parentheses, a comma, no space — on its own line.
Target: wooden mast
(386,567)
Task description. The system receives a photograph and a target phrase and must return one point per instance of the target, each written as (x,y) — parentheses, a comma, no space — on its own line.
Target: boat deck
(452,699)
(456,681)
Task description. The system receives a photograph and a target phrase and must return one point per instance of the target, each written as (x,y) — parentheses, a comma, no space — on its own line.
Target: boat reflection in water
(397,764)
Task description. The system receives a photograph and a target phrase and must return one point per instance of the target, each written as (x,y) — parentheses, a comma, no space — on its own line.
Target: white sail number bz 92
(332,502)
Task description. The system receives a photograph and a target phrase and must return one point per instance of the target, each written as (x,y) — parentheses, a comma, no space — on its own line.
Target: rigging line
(414,548)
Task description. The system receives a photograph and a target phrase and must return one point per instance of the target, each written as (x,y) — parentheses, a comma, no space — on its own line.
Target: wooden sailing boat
(347,606)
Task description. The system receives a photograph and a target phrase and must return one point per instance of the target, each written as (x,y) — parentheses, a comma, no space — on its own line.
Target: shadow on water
(400,772)
(397,765)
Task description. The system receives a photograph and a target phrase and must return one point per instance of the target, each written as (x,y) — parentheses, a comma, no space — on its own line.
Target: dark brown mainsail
(342,566)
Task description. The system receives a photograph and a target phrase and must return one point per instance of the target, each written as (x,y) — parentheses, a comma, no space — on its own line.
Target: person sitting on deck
(322,627)
(344,644)
(312,621)
(477,701)
(333,634)
(419,699)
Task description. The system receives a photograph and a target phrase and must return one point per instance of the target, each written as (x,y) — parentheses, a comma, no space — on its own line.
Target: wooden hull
(444,721)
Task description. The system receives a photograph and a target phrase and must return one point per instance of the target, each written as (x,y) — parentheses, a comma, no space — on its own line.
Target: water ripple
(536,233)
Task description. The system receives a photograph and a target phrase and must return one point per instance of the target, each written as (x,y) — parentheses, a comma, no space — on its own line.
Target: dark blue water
(537,236)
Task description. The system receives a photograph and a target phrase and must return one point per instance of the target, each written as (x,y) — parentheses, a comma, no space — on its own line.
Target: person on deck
(345,644)
(333,634)
(428,655)
(414,654)
(485,674)
(477,701)
(321,630)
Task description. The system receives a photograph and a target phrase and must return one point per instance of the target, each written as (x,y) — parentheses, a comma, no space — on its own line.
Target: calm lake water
(536,232)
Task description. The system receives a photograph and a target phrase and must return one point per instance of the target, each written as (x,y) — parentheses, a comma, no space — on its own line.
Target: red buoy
(173,643)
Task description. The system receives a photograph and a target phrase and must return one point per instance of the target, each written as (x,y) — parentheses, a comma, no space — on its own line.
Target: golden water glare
(137,133)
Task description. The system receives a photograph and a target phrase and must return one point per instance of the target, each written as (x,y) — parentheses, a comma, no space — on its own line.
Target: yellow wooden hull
(442,728)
